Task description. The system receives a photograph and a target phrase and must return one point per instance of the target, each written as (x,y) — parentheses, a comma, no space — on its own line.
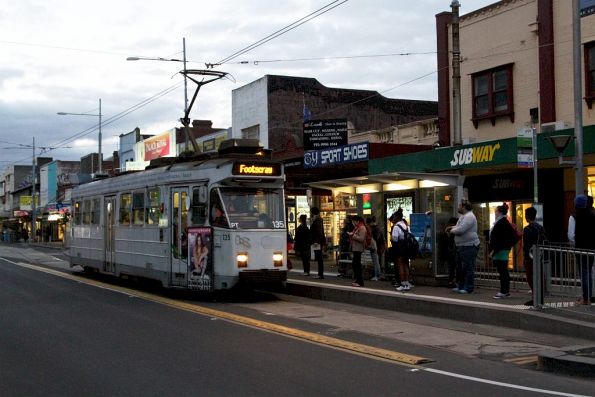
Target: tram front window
(250,208)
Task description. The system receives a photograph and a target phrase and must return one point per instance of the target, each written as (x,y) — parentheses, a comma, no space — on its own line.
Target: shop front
(428,202)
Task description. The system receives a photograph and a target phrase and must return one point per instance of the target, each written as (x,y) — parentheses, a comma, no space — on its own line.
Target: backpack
(409,246)
(368,241)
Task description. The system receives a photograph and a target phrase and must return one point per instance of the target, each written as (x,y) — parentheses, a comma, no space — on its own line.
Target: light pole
(183,60)
(99,136)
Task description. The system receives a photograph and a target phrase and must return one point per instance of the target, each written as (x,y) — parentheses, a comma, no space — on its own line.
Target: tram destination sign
(321,134)
(256,169)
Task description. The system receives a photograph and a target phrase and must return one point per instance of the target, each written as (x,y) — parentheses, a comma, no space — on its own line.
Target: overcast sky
(63,55)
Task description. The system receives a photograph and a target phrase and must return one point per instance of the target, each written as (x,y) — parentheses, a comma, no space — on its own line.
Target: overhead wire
(281,31)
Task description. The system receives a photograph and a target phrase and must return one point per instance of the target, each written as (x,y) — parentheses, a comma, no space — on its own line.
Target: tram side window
(78,212)
(153,204)
(125,208)
(138,208)
(199,210)
(95,211)
(87,212)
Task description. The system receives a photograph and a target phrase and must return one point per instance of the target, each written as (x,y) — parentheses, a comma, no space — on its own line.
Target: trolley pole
(33,209)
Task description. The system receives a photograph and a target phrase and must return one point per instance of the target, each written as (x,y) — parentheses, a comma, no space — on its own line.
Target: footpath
(564,318)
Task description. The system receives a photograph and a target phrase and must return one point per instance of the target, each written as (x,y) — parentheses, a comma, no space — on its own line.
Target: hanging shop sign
(338,155)
(320,134)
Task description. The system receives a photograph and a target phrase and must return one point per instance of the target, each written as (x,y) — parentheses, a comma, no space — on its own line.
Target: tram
(206,223)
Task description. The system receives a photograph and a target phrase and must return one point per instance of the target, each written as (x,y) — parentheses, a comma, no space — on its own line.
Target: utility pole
(33,209)
(578,101)
(456,75)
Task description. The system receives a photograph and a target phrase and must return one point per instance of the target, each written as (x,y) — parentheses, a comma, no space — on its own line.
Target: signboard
(157,146)
(319,134)
(256,169)
(421,228)
(524,143)
(339,155)
(200,246)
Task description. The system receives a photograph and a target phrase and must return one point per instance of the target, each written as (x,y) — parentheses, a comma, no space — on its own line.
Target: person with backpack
(372,246)
(502,238)
(358,238)
(467,246)
(533,234)
(398,236)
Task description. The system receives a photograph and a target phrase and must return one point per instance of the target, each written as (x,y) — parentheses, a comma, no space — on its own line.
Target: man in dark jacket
(583,239)
(533,234)
(318,239)
(301,243)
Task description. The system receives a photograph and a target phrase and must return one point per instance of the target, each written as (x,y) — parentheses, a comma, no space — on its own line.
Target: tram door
(179,237)
(110,241)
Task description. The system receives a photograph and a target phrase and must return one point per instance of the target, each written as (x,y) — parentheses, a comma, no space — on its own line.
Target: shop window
(492,94)
(153,207)
(125,208)
(138,208)
(95,211)
(87,212)
(590,73)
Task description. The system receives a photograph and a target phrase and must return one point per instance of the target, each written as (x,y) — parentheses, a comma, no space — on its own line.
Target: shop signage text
(472,155)
(334,156)
(320,134)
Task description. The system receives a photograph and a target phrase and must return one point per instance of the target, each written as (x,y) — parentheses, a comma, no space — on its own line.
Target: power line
(281,31)
(337,57)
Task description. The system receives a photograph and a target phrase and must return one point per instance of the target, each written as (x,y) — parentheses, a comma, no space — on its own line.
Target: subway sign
(256,169)
(474,155)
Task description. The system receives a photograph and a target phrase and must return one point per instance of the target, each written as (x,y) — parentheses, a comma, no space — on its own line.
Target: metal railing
(557,274)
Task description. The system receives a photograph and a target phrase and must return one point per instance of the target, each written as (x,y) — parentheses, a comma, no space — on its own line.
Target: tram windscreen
(251,208)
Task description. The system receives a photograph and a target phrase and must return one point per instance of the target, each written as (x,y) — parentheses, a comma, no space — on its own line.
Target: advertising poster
(200,245)
(421,228)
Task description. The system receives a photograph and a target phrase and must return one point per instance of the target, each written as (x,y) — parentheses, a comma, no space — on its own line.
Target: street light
(560,143)
(185,78)
(95,115)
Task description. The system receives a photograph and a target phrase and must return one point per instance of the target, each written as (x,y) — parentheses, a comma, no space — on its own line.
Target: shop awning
(390,181)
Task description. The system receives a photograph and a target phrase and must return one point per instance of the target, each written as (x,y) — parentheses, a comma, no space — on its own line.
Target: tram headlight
(242,259)
(278,259)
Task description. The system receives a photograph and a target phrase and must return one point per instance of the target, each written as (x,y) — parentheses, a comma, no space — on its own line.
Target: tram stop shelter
(428,200)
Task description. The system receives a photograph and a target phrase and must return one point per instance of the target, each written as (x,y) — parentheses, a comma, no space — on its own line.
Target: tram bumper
(263,276)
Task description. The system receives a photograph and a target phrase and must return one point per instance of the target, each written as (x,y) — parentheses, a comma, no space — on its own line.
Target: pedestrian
(467,246)
(318,239)
(373,248)
(25,235)
(302,243)
(345,245)
(391,256)
(398,238)
(358,237)
(502,239)
(447,252)
(583,239)
(533,234)
(380,240)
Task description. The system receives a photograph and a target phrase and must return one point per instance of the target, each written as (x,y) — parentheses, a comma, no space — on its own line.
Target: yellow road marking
(522,360)
(279,329)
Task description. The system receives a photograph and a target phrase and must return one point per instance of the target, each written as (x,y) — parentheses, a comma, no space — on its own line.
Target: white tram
(203,224)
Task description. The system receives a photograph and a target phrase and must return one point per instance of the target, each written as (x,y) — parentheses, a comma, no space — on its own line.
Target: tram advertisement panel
(200,274)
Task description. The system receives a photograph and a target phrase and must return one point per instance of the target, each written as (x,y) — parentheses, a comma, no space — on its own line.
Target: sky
(65,55)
